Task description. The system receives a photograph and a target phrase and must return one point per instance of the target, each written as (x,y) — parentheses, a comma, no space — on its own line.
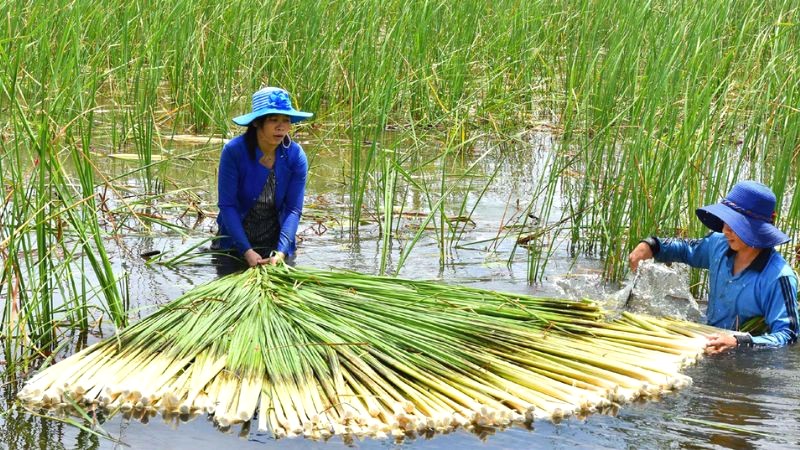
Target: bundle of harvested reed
(324,353)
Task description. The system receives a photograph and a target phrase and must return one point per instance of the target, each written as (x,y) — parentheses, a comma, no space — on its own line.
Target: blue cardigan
(768,287)
(241,181)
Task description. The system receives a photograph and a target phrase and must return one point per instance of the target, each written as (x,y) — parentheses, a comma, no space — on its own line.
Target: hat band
(747,212)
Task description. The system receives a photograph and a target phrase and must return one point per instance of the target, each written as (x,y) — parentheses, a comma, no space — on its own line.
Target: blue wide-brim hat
(271,100)
(749,209)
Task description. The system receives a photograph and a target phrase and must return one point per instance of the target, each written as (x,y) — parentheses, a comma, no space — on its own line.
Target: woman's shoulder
(777,267)
(295,152)
(236,145)
(715,241)
(295,147)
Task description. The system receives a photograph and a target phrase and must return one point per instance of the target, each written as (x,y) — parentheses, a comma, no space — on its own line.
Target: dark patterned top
(261,223)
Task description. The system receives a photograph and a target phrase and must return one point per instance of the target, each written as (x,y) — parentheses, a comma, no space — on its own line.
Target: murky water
(742,400)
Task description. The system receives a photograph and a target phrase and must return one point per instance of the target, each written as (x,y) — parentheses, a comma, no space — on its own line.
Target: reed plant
(314,351)
(49,216)
(658,108)
(662,127)
(388,187)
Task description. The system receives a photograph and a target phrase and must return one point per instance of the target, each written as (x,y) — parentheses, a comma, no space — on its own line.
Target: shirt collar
(761,260)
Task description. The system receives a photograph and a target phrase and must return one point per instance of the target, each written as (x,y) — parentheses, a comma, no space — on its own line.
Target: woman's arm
(694,252)
(293,202)
(227,191)
(780,314)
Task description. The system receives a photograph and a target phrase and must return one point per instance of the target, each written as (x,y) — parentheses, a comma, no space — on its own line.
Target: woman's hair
(250,138)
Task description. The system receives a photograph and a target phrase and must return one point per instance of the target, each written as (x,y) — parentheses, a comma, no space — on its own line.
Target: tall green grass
(659,107)
(50,217)
(668,105)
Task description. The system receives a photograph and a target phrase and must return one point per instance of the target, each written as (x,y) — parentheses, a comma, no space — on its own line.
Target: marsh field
(522,146)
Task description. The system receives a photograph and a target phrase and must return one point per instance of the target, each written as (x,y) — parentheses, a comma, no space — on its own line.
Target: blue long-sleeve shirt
(768,287)
(241,180)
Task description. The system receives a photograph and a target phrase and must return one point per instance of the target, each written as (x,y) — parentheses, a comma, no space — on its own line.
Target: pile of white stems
(316,357)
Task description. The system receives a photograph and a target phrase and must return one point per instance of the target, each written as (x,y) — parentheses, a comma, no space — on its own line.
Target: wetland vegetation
(648,109)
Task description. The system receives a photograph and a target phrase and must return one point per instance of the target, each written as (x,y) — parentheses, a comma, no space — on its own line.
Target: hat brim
(753,232)
(295,115)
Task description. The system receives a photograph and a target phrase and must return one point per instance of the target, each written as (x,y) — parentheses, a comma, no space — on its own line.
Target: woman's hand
(718,343)
(253,258)
(639,254)
(276,258)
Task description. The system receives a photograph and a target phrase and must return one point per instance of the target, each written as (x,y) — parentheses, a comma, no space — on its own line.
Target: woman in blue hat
(262,179)
(747,277)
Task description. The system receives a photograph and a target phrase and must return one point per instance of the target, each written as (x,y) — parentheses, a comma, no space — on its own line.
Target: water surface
(754,392)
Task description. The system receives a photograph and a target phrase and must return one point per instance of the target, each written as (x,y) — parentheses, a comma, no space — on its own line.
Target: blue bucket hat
(271,100)
(749,209)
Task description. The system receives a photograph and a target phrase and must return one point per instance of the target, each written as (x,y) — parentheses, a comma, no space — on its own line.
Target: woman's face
(273,129)
(735,243)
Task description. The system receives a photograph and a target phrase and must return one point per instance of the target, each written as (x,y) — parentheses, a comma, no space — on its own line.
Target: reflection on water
(756,392)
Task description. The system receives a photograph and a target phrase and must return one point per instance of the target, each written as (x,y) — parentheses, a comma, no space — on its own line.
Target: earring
(287,141)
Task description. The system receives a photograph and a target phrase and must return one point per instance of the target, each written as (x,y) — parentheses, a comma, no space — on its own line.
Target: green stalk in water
(316,349)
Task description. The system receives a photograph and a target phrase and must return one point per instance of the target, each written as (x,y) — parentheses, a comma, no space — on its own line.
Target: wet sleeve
(780,314)
(293,203)
(694,252)
(227,191)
